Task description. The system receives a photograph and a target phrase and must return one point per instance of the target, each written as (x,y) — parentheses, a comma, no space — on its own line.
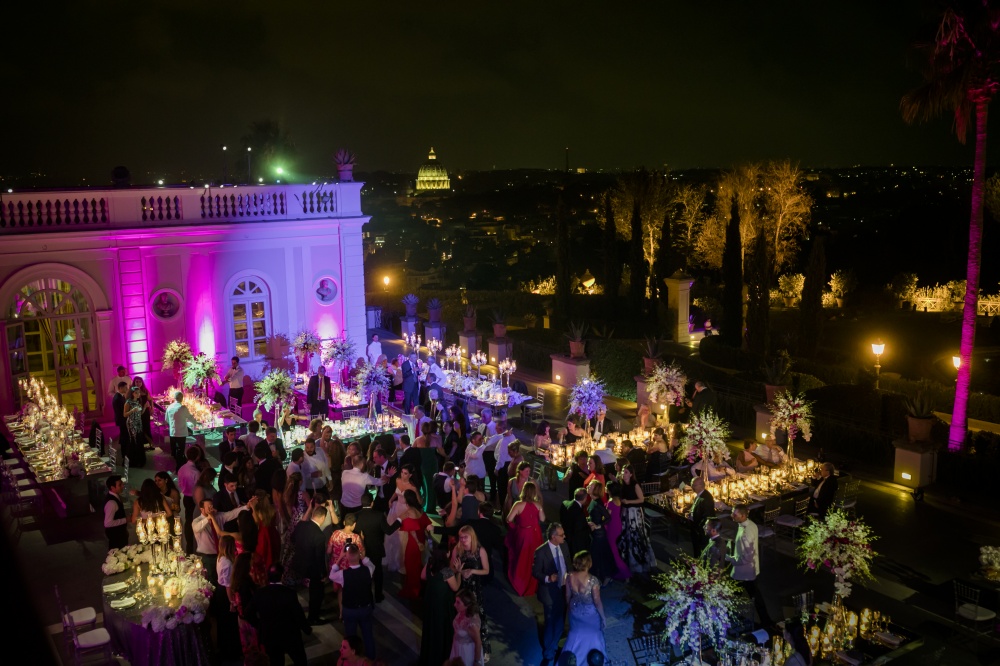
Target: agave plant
(434,304)
(919,406)
(576,331)
(653,347)
(776,368)
(344,157)
(499,316)
(411,299)
(470,311)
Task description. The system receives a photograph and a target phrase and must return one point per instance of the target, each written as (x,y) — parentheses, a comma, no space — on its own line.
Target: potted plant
(790,287)
(841,282)
(904,287)
(776,374)
(411,301)
(652,354)
(919,417)
(577,345)
(469,319)
(499,323)
(434,310)
(344,160)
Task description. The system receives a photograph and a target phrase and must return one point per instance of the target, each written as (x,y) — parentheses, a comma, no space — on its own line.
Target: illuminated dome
(432,176)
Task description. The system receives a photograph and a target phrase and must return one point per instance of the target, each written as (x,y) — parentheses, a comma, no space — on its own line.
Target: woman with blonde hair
(525,535)
(471,559)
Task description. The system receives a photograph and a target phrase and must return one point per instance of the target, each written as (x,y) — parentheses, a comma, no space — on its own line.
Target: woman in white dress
(397,505)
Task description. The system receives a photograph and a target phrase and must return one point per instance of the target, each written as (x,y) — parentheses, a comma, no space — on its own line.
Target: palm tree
(961,76)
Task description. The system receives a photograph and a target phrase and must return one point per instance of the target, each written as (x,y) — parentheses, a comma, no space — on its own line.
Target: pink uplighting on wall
(327,328)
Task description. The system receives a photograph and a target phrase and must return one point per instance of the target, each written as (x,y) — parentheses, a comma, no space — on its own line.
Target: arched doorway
(50,335)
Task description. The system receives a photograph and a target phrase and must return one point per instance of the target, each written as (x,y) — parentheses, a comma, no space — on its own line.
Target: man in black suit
(118,407)
(309,560)
(229,443)
(602,426)
(267,465)
(574,519)
(704,398)
(373,527)
(489,535)
(824,490)
(281,620)
(409,455)
(228,498)
(717,549)
(275,444)
(702,509)
(380,467)
(551,564)
(411,383)
(318,394)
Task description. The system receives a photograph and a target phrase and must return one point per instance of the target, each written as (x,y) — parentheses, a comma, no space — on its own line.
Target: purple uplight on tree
(962,77)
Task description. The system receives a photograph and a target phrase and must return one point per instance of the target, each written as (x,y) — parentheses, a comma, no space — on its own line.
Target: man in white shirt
(120,376)
(187,479)
(177,417)
(355,481)
(251,438)
(295,466)
(745,559)
(607,452)
(315,467)
(206,535)
(489,429)
(234,377)
(770,454)
(115,519)
(435,375)
(358,602)
(373,350)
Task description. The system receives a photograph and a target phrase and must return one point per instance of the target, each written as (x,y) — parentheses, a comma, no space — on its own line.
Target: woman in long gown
(293,512)
(614,530)
(586,613)
(466,643)
(241,590)
(515,485)
(472,560)
(397,506)
(595,467)
(598,519)
(147,412)
(414,525)
(634,544)
(136,450)
(268,548)
(441,584)
(525,533)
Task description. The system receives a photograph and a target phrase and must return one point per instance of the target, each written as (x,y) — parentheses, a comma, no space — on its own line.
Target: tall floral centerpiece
(175,355)
(665,384)
(839,545)
(341,353)
(586,398)
(700,603)
(792,413)
(371,382)
(305,344)
(199,370)
(274,390)
(705,438)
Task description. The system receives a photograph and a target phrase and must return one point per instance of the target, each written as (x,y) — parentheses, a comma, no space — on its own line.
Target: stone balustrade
(136,208)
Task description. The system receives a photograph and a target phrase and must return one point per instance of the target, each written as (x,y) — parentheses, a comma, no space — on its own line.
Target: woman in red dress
(414,523)
(596,469)
(525,533)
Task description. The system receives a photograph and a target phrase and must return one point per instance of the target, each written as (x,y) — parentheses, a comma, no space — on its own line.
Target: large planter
(434,314)
(919,429)
(499,330)
(649,364)
(470,324)
(772,391)
(789,301)
(411,310)
(345,173)
(839,301)
(577,349)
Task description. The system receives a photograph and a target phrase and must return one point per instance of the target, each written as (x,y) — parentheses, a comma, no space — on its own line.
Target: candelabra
(413,340)
(477,360)
(155,530)
(433,347)
(507,367)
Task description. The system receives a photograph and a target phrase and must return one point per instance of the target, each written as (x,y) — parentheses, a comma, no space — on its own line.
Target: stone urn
(919,429)
(577,349)
(470,323)
(649,364)
(410,302)
(345,173)
(771,391)
(434,310)
(499,331)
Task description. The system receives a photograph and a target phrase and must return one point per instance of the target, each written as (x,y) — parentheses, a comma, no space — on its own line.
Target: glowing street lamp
(385,281)
(878,348)
(249,170)
(956,361)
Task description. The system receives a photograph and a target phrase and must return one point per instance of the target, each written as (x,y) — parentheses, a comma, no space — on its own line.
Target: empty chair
(767,528)
(86,643)
(790,523)
(533,408)
(85,618)
(967,608)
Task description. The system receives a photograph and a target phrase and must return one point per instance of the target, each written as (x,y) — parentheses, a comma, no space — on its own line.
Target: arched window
(250,313)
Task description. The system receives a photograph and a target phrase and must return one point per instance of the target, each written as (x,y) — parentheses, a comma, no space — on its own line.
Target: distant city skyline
(162,88)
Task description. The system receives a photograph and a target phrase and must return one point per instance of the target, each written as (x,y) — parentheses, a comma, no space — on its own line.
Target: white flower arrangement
(705,438)
(176,351)
(840,545)
(341,351)
(275,388)
(989,557)
(665,384)
(700,601)
(586,398)
(306,342)
(120,559)
(195,593)
(371,381)
(198,369)
(792,412)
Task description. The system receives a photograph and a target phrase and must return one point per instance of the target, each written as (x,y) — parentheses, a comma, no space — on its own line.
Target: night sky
(158,86)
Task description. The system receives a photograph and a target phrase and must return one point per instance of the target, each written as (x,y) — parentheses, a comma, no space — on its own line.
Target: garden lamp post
(385,282)
(878,348)
(957,362)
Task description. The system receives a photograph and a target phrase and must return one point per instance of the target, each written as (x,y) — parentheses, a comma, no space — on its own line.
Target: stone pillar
(641,396)
(500,349)
(408,325)
(435,329)
(762,423)
(468,342)
(567,371)
(678,302)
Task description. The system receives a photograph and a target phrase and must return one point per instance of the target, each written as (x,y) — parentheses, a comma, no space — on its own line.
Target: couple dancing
(564,582)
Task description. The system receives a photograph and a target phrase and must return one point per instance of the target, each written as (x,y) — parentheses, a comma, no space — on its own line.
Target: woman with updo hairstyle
(414,524)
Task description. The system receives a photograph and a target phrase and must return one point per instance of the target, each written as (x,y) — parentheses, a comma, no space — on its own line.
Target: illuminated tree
(640,201)
(961,77)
